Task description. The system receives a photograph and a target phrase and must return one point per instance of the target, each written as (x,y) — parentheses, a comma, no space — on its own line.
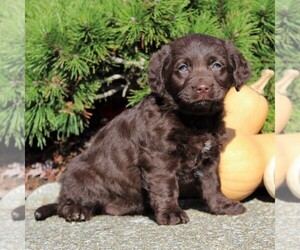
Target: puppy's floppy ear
(241,71)
(156,73)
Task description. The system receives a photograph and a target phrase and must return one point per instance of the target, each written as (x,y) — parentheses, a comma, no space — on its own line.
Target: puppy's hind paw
(235,208)
(75,213)
(172,218)
(229,208)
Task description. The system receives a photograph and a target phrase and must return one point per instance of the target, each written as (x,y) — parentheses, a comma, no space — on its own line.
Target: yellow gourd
(293,177)
(290,143)
(290,158)
(269,176)
(282,163)
(241,167)
(275,171)
(283,105)
(246,110)
(287,149)
(266,146)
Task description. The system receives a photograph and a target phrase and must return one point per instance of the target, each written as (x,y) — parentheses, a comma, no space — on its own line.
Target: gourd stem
(287,78)
(260,84)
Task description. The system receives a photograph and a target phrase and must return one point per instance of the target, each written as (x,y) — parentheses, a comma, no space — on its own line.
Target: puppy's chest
(194,152)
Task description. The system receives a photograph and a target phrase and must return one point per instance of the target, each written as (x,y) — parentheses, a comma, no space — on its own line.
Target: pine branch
(115,89)
(128,63)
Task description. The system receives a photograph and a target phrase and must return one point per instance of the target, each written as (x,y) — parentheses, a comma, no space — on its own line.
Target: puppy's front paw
(229,207)
(75,213)
(172,217)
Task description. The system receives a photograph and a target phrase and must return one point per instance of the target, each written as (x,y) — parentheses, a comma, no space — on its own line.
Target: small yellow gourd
(266,146)
(290,144)
(287,149)
(275,171)
(293,177)
(269,176)
(283,105)
(241,167)
(247,110)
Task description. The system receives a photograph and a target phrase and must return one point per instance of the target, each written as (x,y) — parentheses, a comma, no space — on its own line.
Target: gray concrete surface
(253,230)
(266,225)
(287,225)
(12,233)
(287,221)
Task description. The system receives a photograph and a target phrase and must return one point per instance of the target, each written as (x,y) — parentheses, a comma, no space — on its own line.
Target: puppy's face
(197,71)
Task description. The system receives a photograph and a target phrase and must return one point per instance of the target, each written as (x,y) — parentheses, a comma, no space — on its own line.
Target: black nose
(202,88)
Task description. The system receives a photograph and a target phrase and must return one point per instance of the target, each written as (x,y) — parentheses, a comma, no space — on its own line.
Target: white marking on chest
(207,146)
(198,173)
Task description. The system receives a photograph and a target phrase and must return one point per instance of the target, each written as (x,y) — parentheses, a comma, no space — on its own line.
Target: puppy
(171,139)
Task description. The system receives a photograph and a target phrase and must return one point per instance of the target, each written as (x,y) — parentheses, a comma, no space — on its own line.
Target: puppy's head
(197,71)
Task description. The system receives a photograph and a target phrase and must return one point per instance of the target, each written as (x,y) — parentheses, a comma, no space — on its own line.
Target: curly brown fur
(171,139)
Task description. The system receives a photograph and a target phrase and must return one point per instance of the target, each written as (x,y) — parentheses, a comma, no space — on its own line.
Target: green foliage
(206,23)
(243,34)
(80,52)
(137,95)
(12,113)
(287,35)
(65,54)
(12,73)
(288,52)
(50,111)
(149,24)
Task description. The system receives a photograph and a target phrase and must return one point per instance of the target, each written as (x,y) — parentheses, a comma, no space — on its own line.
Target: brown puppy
(172,138)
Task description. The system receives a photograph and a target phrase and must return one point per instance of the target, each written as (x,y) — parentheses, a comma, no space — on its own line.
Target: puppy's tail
(46,211)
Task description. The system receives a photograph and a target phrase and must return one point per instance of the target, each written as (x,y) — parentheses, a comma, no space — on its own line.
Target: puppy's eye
(183,67)
(216,65)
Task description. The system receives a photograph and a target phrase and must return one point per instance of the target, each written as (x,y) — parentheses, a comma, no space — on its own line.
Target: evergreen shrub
(12,47)
(79,53)
(288,52)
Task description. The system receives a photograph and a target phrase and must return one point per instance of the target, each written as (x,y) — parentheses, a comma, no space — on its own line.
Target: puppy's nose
(202,88)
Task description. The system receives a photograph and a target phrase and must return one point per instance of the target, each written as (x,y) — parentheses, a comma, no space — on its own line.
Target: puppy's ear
(158,66)
(241,71)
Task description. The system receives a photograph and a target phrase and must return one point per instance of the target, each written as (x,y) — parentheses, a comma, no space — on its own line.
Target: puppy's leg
(82,192)
(163,193)
(43,212)
(122,207)
(212,195)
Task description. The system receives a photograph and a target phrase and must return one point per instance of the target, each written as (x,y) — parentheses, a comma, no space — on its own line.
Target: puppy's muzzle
(201,88)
